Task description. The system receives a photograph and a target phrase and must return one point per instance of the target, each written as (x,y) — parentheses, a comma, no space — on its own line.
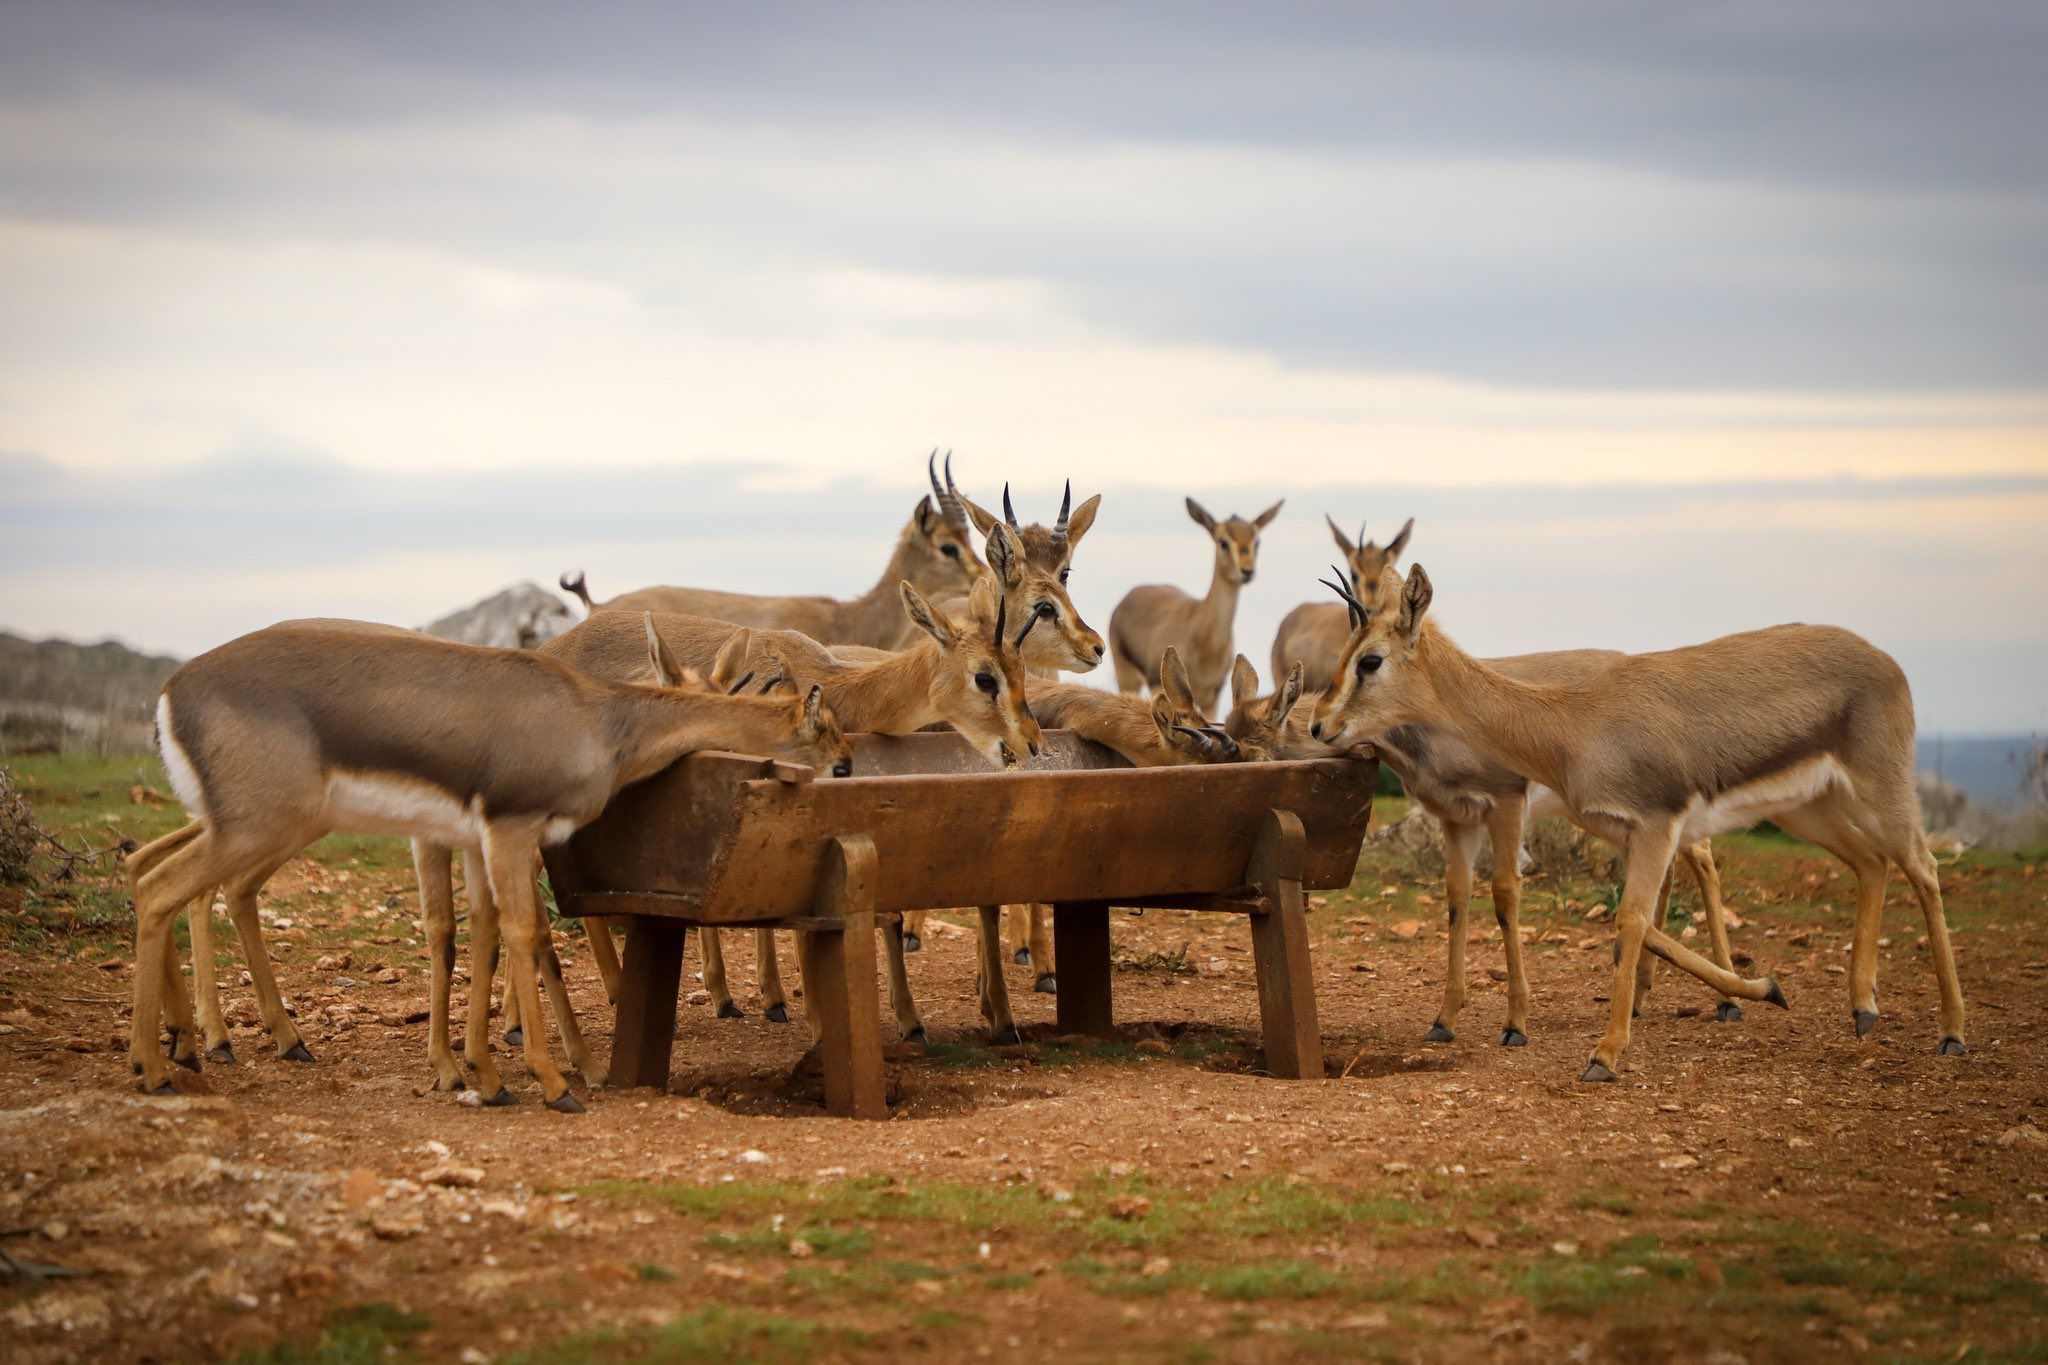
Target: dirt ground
(1766,1189)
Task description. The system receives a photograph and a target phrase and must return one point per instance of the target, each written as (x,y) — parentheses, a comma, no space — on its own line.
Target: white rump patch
(184,777)
(1753,802)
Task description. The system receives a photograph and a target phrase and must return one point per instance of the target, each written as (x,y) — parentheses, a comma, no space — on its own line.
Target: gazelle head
(978,688)
(1237,540)
(1033,562)
(803,730)
(1181,723)
(940,539)
(1259,724)
(1378,685)
(1365,559)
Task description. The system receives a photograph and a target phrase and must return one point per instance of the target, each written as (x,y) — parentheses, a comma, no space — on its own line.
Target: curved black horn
(931,471)
(1222,737)
(952,490)
(1009,512)
(1059,528)
(1002,619)
(1357,608)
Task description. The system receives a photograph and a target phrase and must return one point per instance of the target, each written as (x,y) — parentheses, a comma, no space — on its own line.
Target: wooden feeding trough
(725,840)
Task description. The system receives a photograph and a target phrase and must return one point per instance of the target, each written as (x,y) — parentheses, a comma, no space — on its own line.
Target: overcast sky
(1664,320)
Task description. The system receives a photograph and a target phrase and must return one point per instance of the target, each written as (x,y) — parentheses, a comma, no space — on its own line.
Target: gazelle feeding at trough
(1168,730)
(1467,793)
(1157,615)
(1314,633)
(291,732)
(934,554)
(1808,726)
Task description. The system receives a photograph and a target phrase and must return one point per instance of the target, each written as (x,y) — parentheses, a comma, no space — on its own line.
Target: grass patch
(357,1335)
(717,1333)
(650,1273)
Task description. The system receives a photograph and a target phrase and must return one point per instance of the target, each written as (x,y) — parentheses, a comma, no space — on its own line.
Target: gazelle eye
(1046,611)
(986,682)
(1063,576)
(1222,544)
(1369,663)
(950,551)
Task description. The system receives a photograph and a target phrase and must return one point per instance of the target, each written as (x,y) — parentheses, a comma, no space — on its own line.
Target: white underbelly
(1754,802)
(385,803)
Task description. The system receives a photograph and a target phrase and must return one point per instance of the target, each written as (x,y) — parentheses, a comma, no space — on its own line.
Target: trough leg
(1081,938)
(1287,990)
(842,991)
(649,979)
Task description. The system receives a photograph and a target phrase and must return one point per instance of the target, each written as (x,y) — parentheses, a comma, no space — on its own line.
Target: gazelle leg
(768,967)
(913,930)
(1461,844)
(995,996)
(508,858)
(1699,862)
(160,893)
(1837,830)
(184,1029)
(909,1026)
(1646,857)
(1504,828)
(269,1001)
(711,943)
(434,869)
(604,952)
(1646,963)
(213,1025)
(483,971)
(1921,870)
(1039,920)
(1017,934)
(593,1072)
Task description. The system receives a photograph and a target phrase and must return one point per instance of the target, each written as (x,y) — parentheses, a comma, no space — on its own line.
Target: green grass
(717,1333)
(356,1335)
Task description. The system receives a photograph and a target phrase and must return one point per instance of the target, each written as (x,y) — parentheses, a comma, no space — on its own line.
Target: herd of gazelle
(312,726)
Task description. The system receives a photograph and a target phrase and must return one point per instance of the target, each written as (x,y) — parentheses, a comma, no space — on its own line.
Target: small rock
(333,962)
(1156,1267)
(1484,1238)
(1709,1271)
(753,1156)
(451,1175)
(1565,1247)
(1158,1047)
(1407,928)
(56,1229)
(397,1226)
(504,1208)
(361,1187)
(1128,1208)
(2025,1135)
(800,1249)
(1680,1162)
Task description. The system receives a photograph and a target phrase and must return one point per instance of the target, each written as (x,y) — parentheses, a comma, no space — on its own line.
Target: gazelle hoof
(728,1010)
(504,1099)
(1008,1037)
(165,1089)
(224,1055)
(450,1084)
(298,1052)
(1439,1034)
(1951,1047)
(566,1103)
(515,1036)
(911,943)
(1866,1020)
(916,1037)
(1513,1037)
(1728,1011)
(777,1013)
(1047,984)
(1022,957)
(189,1063)
(1597,1070)
(1775,996)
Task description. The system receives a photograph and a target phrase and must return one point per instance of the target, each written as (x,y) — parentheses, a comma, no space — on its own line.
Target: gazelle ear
(1162,716)
(924,618)
(1416,594)
(1201,516)
(1244,681)
(1400,541)
(1082,518)
(732,659)
(924,516)
(1005,555)
(983,519)
(667,671)
(1173,680)
(1265,518)
(1290,693)
(1343,541)
(812,724)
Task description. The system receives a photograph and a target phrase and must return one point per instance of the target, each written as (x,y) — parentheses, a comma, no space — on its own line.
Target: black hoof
(915,1037)
(1009,1037)
(566,1103)
(297,1052)
(1022,957)
(224,1055)
(515,1036)
(503,1099)
(1774,996)
(1596,1070)
(165,1089)
(1951,1047)
(189,1063)
(1866,1020)
(911,943)
(1439,1034)
(774,1014)
(171,1035)
(1047,984)
(731,1011)
(1513,1037)
(1727,1011)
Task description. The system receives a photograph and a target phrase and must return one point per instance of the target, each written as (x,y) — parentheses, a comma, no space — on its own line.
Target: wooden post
(645,1032)
(842,987)
(1080,936)
(1287,989)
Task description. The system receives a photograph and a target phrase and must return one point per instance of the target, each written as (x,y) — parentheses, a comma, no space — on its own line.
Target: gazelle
(1168,731)
(291,732)
(1467,793)
(1807,726)
(1313,634)
(1157,615)
(965,671)
(934,554)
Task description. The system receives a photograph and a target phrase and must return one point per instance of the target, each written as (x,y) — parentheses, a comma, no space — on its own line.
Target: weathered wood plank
(1280,957)
(644,1036)
(1080,938)
(839,974)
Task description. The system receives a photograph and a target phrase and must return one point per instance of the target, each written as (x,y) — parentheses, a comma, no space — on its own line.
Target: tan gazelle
(291,732)
(1807,726)
(1157,615)
(1167,731)
(934,554)
(1313,634)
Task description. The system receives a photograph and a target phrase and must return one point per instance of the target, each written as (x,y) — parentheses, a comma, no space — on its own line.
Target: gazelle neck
(652,728)
(1218,611)
(1523,726)
(890,696)
(876,616)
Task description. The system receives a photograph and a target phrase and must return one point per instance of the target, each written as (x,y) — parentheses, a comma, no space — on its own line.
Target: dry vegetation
(1763,1190)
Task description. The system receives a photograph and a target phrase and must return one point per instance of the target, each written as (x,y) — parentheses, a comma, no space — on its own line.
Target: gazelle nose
(1034,748)
(1248,575)
(1100,650)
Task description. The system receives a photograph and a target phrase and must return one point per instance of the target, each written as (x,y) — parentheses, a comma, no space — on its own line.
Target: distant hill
(1986,770)
(59,695)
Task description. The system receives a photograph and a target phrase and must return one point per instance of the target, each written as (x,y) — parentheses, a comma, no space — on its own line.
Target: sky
(1663,321)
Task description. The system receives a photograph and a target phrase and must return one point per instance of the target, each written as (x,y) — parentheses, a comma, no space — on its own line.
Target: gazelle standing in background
(1314,633)
(1157,615)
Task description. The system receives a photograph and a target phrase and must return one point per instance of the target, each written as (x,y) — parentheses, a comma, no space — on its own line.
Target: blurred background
(1661,322)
